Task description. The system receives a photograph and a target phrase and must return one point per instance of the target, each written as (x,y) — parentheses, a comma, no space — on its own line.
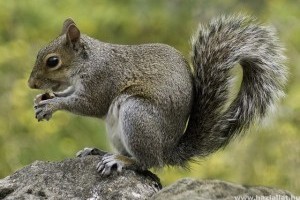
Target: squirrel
(159,109)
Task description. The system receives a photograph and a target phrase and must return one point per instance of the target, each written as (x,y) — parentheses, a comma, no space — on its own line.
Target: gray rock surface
(214,189)
(76,179)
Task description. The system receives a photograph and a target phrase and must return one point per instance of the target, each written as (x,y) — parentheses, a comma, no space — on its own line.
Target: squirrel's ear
(66,24)
(73,34)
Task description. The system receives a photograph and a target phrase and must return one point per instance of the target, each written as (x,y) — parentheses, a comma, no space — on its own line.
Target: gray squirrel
(159,110)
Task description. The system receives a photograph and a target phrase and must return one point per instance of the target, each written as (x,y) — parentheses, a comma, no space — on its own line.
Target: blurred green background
(269,155)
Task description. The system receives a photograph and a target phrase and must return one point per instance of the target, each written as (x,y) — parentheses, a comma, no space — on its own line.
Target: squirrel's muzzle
(34,83)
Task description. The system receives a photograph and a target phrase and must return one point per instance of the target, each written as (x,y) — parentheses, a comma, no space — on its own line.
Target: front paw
(90,151)
(45,108)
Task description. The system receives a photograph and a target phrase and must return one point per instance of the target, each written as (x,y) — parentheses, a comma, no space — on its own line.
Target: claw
(100,167)
(106,171)
(111,161)
(38,110)
(84,152)
(47,117)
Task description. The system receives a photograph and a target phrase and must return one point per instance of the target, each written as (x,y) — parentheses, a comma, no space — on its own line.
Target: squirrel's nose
(33,84)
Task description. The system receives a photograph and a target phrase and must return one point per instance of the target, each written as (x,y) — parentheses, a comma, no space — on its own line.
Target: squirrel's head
(52,69)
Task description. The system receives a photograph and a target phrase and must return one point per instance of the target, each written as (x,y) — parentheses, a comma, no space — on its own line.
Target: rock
(76,179)
(214,189)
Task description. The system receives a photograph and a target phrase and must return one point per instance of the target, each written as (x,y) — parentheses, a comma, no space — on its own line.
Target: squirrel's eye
(52,61)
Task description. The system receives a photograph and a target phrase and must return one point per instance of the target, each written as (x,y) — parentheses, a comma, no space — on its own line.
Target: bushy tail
(217,48)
